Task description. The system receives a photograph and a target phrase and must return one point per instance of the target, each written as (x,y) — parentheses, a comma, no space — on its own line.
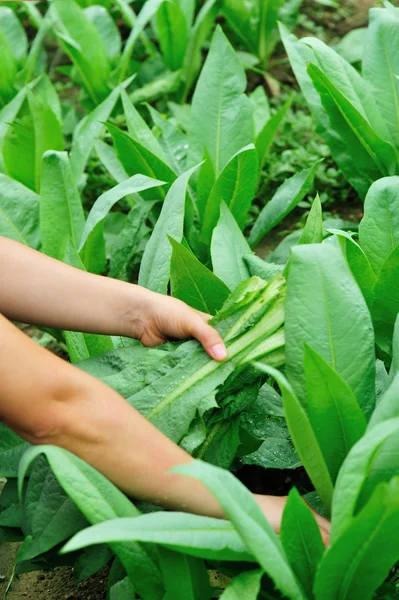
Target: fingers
(325,528)
(208,336)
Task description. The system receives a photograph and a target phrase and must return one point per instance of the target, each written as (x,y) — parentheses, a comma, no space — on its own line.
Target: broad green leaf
(137,159)
(300,57)
(184,577)
(165,84)
(381,65)
(301,539)
(193,283)
(268,15)
(283,202)
(274,453)
(173,32)
(19,212)
(228,249)
(8,115)
(385,305)
(312,233)
(260,109)
(351,46)
(202,537)
(86,49)
(379,228)
(61,211)
(375,157)
(334,413)
(245,586)
(304,438)
(354,473)
(361,559)
(388,407)
(221,118)
(12,448)
(15,34)
(242,510)
(359,264)
(243,18)
(108,31)
(28,139)
(155,265)
(9,70)
(326,309)
(347,80)
(106,201)
(138,128)
(91,561)
(50,517)
(87,131)
(221,444)
(203,25)
(236,187)
(82,345)
(265,137)
(93,253)
(122,590)
(80,481)
(107,155)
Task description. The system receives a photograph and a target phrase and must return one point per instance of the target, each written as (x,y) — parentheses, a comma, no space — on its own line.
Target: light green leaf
(245,586)
(172,140)
(283,202)
(228,249)
(107,155)
(155,265)
(172,29)
(15,34)
(266,135)
(261,268)
(108,31)
(326,309)
(138,128)
(221,118)
(312,233)
(260,109)
(106,201)
(19,212)
(8,115)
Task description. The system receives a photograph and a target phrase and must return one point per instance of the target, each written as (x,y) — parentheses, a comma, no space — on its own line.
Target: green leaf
(155,89)
(108,31)
(155,265)
(261,268)
(260,109)
(241,509)
(9,70)
(108,157)
(361,559)
(8,114)
(375,157)
(381,65)
(15,34)
(385,306)
(61,211)
(379,228)
(80,481)
(90,128)
(283,202)
(228,249)
(354,474)
(301,539)
(184,577)
(359,264)
(137,159)
(304,437)
(12,448)
(265,137)
(86,49)
(312,233)
(202,537)
(205,183)
(221,118)
(236,187)
(245,586)
(19,212)
(334,414)
(172,33)
(138,128)
(325,309)
(193,283)
(106,201)
(221,444)
(172,140)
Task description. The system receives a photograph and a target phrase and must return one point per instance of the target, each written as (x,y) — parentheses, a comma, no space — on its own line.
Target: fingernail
(219,352)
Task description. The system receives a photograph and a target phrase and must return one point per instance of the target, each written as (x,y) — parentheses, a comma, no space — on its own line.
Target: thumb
(210,339)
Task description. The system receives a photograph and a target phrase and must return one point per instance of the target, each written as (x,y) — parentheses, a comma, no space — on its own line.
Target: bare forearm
(37,289)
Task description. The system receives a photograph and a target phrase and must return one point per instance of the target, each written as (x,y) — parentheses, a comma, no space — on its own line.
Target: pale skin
(49,401)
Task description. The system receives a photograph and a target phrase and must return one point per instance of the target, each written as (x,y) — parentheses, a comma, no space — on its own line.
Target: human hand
(162,318)
(273,508)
